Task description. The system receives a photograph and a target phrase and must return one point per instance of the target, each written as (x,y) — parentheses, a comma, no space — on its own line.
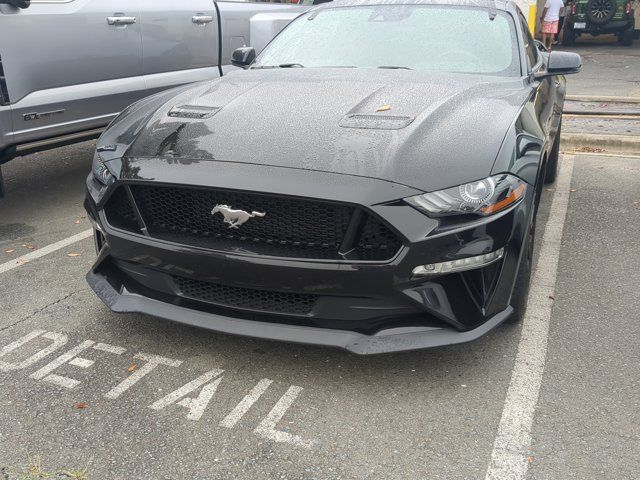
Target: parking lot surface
(137,397)
(609,69)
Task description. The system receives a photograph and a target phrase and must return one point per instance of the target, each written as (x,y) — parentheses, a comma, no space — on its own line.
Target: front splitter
(384,341)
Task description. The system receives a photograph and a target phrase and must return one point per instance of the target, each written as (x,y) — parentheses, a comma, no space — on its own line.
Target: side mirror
(243,56)
(561,63)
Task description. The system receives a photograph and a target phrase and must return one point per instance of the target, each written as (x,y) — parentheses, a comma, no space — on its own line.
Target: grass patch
(35,471)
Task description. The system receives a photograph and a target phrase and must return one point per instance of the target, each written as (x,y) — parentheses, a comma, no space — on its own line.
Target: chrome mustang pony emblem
(235,218)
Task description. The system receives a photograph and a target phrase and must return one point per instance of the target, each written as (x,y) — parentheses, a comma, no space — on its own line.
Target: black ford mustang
(370,181)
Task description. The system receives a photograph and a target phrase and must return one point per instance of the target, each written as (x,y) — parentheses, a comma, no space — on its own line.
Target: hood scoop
(375,122)
(193,111)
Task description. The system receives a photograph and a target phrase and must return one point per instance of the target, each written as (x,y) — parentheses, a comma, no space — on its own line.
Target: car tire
(551,170)
(626,38)
(523,280)
(600,12)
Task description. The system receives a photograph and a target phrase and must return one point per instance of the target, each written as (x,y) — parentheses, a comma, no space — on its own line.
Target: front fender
(524,147)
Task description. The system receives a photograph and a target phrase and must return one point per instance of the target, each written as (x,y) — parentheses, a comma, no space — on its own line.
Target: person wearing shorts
(550,20)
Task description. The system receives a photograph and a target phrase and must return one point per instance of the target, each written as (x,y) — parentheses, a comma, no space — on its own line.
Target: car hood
(427,131)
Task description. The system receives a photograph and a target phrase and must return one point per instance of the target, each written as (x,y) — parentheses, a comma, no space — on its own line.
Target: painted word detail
(193,396)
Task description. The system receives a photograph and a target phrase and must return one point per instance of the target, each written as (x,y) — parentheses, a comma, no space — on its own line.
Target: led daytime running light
(458,265)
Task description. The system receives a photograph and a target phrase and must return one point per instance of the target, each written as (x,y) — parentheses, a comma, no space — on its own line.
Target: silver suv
(68,67)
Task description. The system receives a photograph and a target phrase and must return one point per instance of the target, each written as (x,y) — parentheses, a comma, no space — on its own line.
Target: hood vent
(198,112)
(376,122)
(4,93)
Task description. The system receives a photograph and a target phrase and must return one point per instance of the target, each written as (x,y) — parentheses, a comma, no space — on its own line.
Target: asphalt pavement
(609,69)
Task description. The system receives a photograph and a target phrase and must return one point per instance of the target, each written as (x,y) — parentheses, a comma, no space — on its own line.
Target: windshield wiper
(298,65)
(282,65)
(393,67)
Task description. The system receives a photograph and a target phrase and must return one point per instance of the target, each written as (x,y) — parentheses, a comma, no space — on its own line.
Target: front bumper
(363,307)
(383,341)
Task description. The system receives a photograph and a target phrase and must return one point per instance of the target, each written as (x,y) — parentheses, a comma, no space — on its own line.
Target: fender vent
(4,93)
(376,122)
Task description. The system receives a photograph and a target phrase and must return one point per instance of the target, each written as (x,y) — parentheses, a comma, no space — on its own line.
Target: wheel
(626,37)
(523,280)
(551,170)
(568,37)
(601,11)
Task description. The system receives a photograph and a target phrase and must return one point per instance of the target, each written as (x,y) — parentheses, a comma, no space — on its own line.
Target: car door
(180,42)
(69,65)
(546,101)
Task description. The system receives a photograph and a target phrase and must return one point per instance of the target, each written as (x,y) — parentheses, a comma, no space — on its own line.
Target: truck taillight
(627,8)
(574,9)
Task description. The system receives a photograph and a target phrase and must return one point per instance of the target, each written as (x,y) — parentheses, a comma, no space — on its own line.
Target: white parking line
(41,252)
(509,459)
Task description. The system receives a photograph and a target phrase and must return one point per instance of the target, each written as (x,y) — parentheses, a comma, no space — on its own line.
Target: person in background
(550,20)
(564,11)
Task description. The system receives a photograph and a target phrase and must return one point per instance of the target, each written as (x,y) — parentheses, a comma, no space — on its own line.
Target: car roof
(489,4)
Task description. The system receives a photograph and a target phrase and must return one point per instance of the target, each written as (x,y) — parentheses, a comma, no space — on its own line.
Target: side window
(530,48)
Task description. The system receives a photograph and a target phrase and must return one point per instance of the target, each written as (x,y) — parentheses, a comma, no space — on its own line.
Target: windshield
(430,38)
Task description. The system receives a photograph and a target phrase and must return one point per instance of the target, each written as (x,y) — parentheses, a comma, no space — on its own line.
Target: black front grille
(291,227)
(246,298)
(375,238)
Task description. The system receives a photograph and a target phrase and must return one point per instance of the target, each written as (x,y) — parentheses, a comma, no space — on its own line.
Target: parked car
(597,17)
(67,68)
(370,181)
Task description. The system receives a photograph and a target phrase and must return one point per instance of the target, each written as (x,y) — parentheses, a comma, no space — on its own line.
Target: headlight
(101,172)
(482,197)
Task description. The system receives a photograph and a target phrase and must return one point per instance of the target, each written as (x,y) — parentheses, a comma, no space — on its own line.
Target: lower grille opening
(246,298)
(120,213)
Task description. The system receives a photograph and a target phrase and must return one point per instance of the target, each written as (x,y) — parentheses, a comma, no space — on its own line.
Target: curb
(602,98)
(589,143)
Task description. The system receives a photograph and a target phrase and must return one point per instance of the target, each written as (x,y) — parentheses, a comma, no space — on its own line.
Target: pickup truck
(68,67)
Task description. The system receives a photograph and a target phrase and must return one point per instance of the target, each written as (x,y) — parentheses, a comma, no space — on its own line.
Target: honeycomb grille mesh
(374,239)
(291,227)
(120,213)
(246,298)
